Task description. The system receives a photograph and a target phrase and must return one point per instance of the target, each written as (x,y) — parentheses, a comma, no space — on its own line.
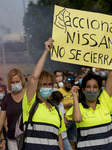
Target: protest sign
(82,37)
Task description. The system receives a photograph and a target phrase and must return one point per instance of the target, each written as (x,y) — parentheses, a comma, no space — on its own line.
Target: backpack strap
(56,107)
(31,113)
(33,110)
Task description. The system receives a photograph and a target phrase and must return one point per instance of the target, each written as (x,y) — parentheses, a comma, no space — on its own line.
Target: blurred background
(26,24)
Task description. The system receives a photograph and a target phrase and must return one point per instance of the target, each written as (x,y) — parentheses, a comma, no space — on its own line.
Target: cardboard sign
(82,37)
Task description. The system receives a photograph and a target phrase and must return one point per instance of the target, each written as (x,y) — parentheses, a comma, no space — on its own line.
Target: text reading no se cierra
(89,57)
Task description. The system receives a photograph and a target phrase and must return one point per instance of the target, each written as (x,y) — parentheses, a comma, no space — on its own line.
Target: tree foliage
(39,18)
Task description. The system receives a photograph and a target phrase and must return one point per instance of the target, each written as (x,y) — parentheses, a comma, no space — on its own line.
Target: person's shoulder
(104,97)
(61,105)
(60,89)
(7,97)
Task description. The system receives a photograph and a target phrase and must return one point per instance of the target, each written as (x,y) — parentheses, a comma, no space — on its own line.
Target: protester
(65,74)
(12,105)
(57,97)
(86,70)
(97,71)
(58,77)
(68,103)
(93,115)
(104,79)
(78,78)
(2,83)
(45,129)
(2,93)
(2,136)
(55,86)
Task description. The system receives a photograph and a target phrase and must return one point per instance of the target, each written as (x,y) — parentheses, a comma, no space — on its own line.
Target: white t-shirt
(62,109)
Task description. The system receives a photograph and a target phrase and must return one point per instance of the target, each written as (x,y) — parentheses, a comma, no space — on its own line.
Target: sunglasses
(70,79)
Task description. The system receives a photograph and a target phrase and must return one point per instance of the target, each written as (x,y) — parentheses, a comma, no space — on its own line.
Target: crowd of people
(73,110)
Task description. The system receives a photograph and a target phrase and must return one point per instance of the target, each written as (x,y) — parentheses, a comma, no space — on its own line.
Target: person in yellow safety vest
(93,114)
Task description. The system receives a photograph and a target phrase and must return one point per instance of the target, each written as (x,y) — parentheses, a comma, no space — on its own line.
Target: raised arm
(76,110)
(32,86)
(108,86)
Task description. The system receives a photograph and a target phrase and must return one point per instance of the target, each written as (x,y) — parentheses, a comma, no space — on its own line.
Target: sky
(11,21)
(11,15)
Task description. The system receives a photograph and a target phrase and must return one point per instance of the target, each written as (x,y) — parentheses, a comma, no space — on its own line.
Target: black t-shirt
(13,110)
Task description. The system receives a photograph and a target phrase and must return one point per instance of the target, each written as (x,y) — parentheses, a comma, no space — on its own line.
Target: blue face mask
(86,71)
(97,73)
(102,88)
(45,92)
(103,74)
(80,81)
(54,89)
(1,96)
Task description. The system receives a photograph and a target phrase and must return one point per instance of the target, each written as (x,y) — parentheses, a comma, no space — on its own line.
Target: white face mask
(16,87)
(94,69)
(1,96)
(60,84)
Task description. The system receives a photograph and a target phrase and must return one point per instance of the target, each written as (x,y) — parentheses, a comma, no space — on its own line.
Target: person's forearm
(61,146)
(2,136)
(76,111)
(108,86)
(2,119)
(38,68)
(3,142)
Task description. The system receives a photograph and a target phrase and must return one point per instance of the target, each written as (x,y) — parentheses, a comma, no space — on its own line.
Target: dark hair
(56,96)
(90,76)
(57,71)
(80,72)
(104,78)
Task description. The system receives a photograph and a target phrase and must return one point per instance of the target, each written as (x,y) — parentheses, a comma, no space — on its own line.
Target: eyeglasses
(46,84)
